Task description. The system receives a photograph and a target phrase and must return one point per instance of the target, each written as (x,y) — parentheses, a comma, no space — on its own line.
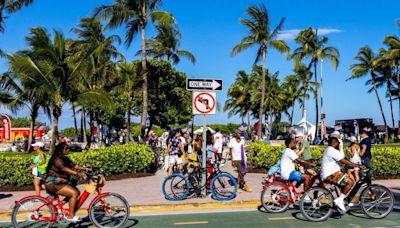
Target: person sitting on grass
(288,171)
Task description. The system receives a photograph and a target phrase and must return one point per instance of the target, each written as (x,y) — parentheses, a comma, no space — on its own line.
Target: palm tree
(9,7)
(130,82)
(315,49)
(135,15)
(239,96)
(167,44)
(260,35)
(393,42)
(367,65)
(16,95)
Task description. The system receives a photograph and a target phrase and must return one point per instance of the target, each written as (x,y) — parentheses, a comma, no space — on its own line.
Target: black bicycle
(376,201)
(222,185)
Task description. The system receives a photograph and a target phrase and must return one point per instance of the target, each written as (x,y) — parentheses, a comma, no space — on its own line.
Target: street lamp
(322,105)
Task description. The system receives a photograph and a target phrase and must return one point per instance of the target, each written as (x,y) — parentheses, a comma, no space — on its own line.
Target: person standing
(175,150)
(354,153)
(305,151)
(239,159)
(365,153)
(218,144)
(39,167)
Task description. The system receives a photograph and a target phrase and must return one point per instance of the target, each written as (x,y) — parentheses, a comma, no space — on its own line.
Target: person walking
(365,151)
(39,167)
(239,159)
(354,153)
(175,150)
(218,145)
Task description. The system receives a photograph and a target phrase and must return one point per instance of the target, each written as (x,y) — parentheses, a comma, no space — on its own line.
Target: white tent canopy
(305,127)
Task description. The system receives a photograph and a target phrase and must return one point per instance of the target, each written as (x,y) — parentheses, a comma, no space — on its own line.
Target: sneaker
(246,188)
(307,199)
(74,219)
(340,204)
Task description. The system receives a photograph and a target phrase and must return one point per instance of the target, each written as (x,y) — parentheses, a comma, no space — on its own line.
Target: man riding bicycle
(288,171)
(331,172)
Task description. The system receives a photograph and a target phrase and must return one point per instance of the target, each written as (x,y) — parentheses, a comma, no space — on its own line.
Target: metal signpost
(204,103)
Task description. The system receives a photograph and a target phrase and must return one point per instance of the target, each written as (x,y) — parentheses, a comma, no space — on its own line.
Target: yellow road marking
(190,223)
(281,218)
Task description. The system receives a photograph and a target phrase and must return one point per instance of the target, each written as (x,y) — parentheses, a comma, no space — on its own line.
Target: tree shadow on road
(86,224)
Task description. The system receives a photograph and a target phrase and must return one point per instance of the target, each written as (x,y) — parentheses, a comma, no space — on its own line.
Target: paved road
(249,219)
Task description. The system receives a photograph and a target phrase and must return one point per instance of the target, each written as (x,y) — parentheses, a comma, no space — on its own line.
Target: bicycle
(222,185)
(373,196)
(45,212)
(277,195)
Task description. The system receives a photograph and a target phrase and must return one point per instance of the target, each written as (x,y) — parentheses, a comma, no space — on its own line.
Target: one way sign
(203,84)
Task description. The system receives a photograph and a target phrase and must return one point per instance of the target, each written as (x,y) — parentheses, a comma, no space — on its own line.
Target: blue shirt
(366,142)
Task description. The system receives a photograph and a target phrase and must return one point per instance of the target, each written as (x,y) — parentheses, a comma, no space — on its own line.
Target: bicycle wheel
(33,212)
(223,187)
(175,187)
(316,204)
(377,201)
(275,198)
(109,210)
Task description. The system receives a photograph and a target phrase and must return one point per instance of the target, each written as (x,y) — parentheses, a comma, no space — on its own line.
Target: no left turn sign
(204,103)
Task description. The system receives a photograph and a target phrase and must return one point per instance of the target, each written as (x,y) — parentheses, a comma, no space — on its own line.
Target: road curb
(179,207)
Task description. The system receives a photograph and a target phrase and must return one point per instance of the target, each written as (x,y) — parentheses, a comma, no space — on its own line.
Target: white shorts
(174,159)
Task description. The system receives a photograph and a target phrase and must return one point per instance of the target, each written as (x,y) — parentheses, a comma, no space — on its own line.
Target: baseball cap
(38,144)
(299,134)
(336,133)
(353,139)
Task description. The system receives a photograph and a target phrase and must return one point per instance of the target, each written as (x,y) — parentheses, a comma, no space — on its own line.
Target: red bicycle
(277,195)
(105,210)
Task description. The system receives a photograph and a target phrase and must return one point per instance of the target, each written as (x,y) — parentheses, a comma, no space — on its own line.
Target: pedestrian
(39,167)
(305,152)
(336,134)
(365,151)
(354,153)
(218,145)
(175,151)
(239,159)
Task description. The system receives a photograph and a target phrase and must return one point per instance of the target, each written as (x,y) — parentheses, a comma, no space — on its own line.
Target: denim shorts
(295,176)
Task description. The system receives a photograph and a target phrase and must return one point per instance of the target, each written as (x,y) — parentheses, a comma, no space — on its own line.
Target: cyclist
(305,151)
(59,171)
(288,171)
(331,172)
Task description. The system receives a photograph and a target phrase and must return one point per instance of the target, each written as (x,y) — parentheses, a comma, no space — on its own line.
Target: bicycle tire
(267,191)
(124,204)
(175,196)
(364,205)
(34,202)
(218,193)
(315,202)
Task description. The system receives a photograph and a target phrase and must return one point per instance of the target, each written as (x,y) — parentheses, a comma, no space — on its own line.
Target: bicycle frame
(292,191)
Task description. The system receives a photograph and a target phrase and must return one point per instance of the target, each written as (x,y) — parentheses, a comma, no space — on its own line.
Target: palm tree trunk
(129,117)
(261,112)
(75,123)
(291,116)
(144,86)
(398,96)
(83,132)
(248,123)
(54,136)
(316,101)
(391,108)
(380,106)
(34,114)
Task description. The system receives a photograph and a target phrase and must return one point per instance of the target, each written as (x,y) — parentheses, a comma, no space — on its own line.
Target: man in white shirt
(336,134)
(331,172)
(239,159)
(288,171)
(218,144)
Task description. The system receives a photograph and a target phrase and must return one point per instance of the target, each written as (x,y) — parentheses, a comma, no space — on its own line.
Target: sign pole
(204,162)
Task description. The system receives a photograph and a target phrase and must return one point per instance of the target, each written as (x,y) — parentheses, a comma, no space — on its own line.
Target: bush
(385,159)
(112,160)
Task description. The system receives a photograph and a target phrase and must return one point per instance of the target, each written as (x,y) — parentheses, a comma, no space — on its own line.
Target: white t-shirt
(287,163)
(218,141)
(330,162)
(236,149)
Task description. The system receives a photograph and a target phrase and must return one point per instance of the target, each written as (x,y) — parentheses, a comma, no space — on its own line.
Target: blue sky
(211,28)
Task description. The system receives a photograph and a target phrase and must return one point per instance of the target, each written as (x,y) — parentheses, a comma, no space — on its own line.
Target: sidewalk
(144,194)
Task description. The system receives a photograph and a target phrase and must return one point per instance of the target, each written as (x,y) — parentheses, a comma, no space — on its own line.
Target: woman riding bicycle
(59,171)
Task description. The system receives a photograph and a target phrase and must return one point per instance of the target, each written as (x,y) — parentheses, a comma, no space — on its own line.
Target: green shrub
(112,160)
(385,159)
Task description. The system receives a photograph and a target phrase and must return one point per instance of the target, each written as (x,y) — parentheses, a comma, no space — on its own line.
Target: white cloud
(292,33)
